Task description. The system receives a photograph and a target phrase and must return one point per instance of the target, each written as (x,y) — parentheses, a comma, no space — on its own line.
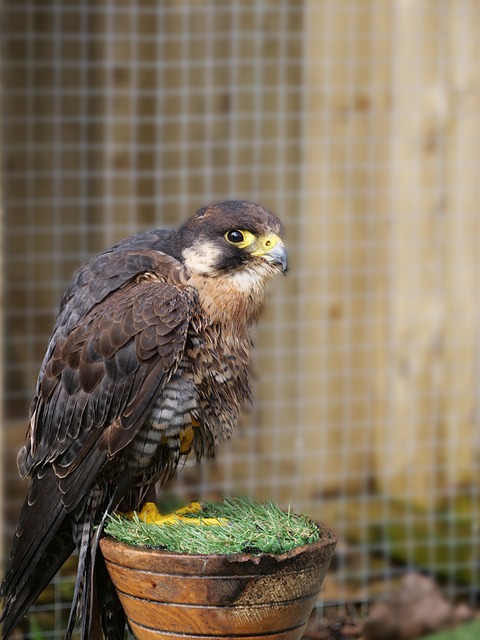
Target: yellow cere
(151,515)
(265,243)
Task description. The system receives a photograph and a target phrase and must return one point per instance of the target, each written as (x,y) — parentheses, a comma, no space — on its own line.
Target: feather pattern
(144,346)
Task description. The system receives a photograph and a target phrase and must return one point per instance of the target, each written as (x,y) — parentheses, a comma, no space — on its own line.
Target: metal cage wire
(355,123)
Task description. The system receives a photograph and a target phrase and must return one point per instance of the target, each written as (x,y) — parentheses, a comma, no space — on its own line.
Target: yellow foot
(151,515)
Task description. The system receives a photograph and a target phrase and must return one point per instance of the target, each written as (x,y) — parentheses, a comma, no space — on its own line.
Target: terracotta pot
(170,596)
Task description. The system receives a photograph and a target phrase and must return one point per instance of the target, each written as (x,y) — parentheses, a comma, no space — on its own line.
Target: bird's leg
(186,437)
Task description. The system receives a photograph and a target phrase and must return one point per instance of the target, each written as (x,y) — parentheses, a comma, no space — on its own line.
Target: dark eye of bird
(235,236)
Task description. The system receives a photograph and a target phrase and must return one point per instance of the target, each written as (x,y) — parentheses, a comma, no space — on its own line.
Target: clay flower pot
(170,596)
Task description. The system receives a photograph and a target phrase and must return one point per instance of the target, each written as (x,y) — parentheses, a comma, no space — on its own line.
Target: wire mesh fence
(357,123)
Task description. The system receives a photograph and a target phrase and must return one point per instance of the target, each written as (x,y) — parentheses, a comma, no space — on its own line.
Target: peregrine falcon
(148,360)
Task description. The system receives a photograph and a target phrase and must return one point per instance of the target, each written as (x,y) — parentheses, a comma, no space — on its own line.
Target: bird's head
(236,239)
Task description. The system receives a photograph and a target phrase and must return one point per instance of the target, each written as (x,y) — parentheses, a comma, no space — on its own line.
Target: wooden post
(425,443)
(342,248)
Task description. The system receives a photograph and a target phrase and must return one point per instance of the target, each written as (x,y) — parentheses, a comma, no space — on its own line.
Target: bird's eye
(241,238)
(235,236)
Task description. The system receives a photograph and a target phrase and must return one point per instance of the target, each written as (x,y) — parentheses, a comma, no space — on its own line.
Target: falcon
(148,360)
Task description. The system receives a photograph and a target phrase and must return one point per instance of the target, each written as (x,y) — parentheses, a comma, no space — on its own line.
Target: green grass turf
(470,631)
(247,526)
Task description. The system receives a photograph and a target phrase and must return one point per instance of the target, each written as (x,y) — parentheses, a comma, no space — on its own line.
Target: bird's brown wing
(100,277)
(98,385)
(101,379)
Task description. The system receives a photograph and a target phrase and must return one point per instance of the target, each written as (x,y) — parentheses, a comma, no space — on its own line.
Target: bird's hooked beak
(272,249)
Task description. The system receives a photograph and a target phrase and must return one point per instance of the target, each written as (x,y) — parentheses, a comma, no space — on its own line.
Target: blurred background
(358,124)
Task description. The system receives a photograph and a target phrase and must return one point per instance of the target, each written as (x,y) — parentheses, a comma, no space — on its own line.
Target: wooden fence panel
(425,441)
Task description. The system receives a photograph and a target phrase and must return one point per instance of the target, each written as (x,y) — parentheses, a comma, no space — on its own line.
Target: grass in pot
(235,568)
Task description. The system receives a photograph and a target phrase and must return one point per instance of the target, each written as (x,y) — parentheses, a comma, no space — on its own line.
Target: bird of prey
(148,360)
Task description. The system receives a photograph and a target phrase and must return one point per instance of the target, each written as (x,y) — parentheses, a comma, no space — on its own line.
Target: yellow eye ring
(240,238)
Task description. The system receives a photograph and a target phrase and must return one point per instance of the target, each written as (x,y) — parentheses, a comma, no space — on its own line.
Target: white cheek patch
(202,258)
